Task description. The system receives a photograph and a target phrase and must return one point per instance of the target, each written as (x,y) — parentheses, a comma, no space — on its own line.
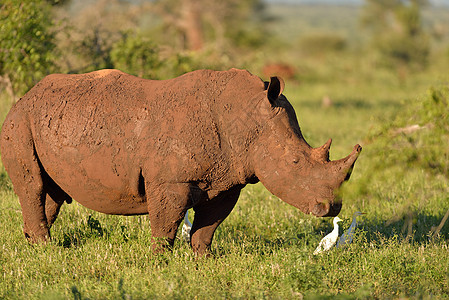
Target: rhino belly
(102,179)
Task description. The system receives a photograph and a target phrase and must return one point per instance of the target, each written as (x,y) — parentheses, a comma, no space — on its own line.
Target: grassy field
(264,248)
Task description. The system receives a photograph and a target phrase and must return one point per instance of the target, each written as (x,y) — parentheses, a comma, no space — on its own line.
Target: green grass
(264,249)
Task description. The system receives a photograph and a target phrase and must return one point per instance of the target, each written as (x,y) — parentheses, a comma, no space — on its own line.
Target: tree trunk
(191,24)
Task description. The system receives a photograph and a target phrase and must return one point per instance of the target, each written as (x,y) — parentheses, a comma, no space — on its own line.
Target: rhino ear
(275,88)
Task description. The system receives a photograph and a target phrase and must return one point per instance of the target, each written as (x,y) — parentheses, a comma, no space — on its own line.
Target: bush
(136,55)
(398,34)
(397,51)
(27,42)
(417,137)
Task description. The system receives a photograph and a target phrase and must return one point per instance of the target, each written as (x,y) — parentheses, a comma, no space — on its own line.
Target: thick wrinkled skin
(123,145)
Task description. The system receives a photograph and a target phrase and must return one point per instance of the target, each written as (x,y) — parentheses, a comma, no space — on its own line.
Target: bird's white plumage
(186,227)
(329,240)
(347,237)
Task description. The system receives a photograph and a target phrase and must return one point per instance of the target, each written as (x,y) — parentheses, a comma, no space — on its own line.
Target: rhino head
(291,169)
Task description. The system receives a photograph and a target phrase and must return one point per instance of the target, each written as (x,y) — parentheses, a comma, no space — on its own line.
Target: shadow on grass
(93,229)
(413,226)
(75,237)
(417,227)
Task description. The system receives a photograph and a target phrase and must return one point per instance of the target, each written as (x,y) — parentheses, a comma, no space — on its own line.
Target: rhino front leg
(167,205)
(208,216)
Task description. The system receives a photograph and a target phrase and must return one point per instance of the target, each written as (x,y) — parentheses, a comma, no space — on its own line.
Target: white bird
(329,240)
(186,227)
(347,237)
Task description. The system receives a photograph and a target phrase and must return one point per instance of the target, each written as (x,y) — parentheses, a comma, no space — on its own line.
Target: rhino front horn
(351,158)
(347,164)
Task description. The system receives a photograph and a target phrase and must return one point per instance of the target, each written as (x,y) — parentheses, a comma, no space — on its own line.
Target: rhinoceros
(124,145)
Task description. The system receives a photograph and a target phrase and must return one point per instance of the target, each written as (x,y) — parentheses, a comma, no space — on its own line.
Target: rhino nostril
(320,209)
(326,209)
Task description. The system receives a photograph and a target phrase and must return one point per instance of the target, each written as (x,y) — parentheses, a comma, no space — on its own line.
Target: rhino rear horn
(322,153)
(275,88)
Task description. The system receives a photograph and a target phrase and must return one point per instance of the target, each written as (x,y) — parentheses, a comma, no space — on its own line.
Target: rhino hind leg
(22,164)
(208,216)
(55,198)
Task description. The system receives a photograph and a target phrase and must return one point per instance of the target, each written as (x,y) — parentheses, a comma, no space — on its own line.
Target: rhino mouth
(326,209)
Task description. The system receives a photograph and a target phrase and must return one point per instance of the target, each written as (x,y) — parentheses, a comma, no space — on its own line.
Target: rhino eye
(295,160)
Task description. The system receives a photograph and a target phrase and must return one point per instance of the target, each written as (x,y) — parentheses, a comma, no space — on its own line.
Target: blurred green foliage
(34,34)
(398,33)
(232,33)
(97,52)
(245,23)
(399,51)
(136,54)
(416,139)
(27,42)
(321,43)
(200,24)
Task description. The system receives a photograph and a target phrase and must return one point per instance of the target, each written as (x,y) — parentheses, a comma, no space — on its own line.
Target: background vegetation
(374,74)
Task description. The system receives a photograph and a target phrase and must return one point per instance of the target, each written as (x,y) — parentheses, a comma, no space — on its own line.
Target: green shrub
(27,42)
(397,51)
(398,34)
(136,55)
(417,138)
